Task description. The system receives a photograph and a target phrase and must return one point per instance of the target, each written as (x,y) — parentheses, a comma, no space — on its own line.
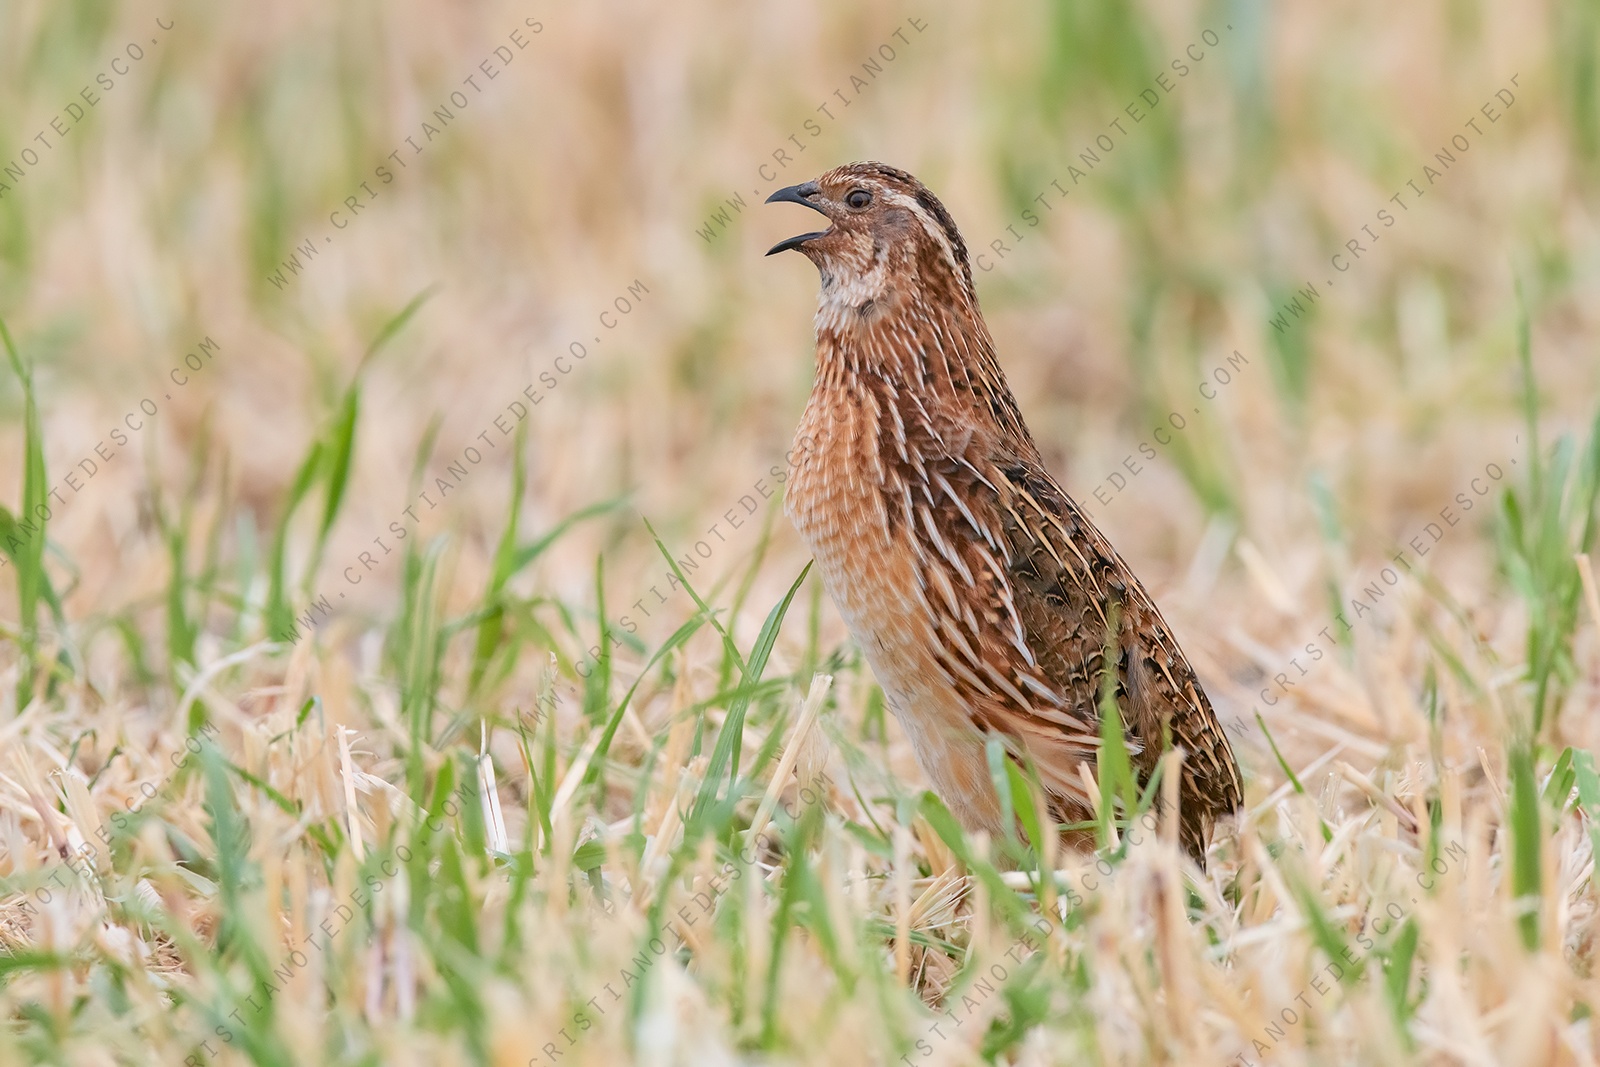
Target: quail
(984,599)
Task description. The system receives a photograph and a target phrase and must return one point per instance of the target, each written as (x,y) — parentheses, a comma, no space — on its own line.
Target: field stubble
(351,711)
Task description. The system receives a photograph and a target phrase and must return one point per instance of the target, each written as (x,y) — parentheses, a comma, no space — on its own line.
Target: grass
(25,545)
(313,750)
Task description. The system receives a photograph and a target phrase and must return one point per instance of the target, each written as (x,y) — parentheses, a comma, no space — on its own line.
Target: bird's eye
(858,198)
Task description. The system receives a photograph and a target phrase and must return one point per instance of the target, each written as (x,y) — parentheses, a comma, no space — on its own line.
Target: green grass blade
(1589,799)
(25,534)
(725,755)
(727,641)
(1526,837)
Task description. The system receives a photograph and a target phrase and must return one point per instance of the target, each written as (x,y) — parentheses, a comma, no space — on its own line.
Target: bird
(984,599)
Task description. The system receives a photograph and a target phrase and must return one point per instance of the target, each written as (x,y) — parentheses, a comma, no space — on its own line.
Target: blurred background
(297,279)
(604,166)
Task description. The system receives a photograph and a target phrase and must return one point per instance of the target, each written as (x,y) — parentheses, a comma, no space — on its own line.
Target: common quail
(980,593)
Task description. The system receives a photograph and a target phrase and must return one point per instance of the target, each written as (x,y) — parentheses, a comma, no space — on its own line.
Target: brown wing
(1068,584)
(1023,586)
(982,647)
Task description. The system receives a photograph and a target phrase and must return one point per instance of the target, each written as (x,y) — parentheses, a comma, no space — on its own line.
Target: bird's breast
(836,498)
(839,494)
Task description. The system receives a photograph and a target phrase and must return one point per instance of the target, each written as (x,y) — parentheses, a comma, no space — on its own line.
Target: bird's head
(887,232)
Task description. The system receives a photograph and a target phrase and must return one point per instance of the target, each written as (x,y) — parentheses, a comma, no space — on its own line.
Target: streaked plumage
(979,592)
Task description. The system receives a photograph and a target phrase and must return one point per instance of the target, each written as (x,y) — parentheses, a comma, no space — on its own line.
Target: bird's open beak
(804,193)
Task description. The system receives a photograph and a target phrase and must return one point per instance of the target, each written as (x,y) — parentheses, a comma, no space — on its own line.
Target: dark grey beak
(804,193)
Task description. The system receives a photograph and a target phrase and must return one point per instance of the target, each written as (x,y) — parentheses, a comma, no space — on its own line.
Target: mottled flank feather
(980,593)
